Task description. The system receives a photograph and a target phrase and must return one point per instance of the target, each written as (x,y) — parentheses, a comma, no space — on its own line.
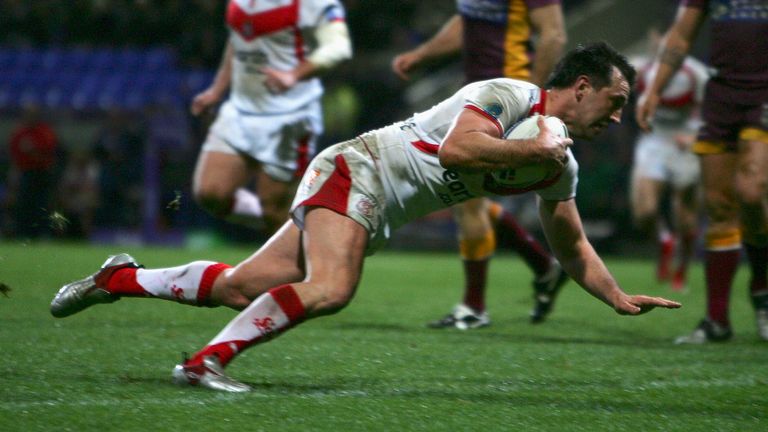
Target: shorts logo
(177,292)
(312,178)
(365,207)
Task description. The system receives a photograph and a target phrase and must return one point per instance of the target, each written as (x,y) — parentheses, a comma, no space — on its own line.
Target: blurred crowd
(103,183)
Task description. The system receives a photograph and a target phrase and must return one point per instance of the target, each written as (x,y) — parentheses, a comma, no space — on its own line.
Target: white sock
(247,203)
(190,283)
(262,317)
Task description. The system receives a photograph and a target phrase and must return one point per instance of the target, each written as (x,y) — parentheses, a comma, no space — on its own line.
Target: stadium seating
(93,80)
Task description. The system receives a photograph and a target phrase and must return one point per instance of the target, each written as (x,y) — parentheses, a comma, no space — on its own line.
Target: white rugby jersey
(677,110)
(414,181)
(278,34)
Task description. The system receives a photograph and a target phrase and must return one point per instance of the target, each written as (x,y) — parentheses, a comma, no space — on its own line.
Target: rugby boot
(462,317)
(209,374)
(78,295)
(707,331)
(545,290)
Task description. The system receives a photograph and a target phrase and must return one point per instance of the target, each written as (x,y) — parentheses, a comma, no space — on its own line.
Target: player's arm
(333,46)
(474,143)
(218,88)
(549,25)
(562,227)
(448,40)
(673,49)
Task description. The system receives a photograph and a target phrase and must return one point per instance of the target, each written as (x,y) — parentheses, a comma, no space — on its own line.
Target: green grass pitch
(375,366)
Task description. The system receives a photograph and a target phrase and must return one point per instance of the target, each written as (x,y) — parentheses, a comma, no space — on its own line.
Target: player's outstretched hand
(640,304)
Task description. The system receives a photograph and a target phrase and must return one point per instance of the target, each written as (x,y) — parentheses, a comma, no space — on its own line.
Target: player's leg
(219,184)
(648,181)
(275,196)
(334,247)
(549,275)
(685,207)
(644,197)
(752,190)
(477,243)
(722,244)
(196,283)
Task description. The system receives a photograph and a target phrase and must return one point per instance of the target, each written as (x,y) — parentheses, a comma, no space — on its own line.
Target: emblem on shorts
(311,178)
(365,207)
(493,109)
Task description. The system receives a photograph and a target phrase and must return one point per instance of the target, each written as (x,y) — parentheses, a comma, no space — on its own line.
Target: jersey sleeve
(565,186)
(316,12)
(502,104)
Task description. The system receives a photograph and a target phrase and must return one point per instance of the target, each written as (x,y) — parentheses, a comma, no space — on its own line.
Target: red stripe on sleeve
(485,114)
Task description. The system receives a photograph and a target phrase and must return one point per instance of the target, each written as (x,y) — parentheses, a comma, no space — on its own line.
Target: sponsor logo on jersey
(494,109)
(457,190)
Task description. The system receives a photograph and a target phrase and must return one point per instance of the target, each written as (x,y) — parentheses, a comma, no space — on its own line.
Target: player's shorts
(658,158)
(344,178)
(282,143)
(731,115)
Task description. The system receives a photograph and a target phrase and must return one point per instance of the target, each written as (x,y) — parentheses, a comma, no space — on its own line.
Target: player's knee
(229,290)
(213,200)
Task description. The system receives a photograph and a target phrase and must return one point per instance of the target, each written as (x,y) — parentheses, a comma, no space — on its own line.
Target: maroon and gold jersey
(739,40)
(497,37)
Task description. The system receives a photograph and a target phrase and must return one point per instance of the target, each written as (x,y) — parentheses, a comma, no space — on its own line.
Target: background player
(732,146)
(495,39)
(268,126)
(663,160)
(356,193)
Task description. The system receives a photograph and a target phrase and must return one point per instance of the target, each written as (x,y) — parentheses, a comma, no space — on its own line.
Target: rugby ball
(525,178)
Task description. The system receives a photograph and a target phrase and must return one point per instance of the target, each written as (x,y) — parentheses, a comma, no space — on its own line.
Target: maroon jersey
(739,42)
(497,37)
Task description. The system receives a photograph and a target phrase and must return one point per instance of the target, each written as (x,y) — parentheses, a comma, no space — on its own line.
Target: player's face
(601,107)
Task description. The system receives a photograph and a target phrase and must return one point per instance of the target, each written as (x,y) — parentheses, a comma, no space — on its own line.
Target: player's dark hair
(595,60)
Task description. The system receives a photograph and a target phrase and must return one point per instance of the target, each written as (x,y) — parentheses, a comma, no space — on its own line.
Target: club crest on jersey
(493,109)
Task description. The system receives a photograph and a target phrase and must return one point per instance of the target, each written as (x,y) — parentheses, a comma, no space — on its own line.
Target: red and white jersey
(414,180)
(278,34)
(681,98)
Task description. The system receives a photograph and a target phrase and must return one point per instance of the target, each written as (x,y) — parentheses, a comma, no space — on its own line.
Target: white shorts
(282,143)
(657,157)
(344,178)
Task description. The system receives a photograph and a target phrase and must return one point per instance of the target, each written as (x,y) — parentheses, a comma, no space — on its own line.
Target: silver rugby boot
(78,295)
(210,375)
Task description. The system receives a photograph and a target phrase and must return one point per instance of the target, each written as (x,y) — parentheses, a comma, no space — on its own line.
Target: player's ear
(581,87)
